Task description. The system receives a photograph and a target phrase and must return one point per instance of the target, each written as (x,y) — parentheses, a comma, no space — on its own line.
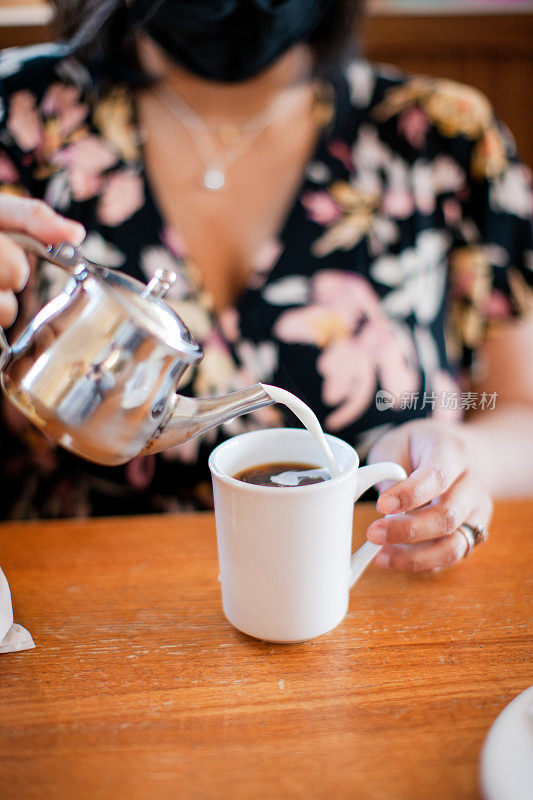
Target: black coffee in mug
(282,474)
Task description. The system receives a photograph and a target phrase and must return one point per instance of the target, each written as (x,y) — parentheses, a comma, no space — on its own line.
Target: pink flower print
(511,193)
(264,260)
(23,121)
(453,108)
(349,381)
(413,125)
(186,452)
(497,306)
(215,371)
(84,185)
(452,212)
(123,195)
(140,472)
(423,188)
(351,368)
(340,303)
(489,158)
(342,151)
(229,324)
(113,117)
(395,373)
(397,203)
(383,232)
(311,325)
(447,175)
(464,283)
(8,172)
(215,342)
(91,153)
(63,102)
(369,151)
(357,215)
(359,346)
(351,296)
(259,360)
(86,161)
(321,207)
(343,235)
(175,242)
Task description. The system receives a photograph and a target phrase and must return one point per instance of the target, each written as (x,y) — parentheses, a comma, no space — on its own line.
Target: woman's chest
(223,230)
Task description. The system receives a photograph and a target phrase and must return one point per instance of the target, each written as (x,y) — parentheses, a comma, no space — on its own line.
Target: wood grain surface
(138,687)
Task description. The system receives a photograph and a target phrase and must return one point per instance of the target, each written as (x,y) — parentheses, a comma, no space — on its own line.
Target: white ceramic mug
(285,552)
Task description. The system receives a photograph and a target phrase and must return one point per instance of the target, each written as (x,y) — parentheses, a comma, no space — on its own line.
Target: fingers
(8,308)
(440,518)
(14,272)
(439,553)
(439,463)
(14,266)
(37,219)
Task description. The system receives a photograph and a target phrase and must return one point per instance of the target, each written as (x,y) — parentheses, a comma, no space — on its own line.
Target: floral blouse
(411,232)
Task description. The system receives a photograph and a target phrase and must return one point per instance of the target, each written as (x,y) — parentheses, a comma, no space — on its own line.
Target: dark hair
(101,35)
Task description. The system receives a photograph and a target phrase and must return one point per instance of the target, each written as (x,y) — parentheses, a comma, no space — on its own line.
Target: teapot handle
(63,255)
(68,257)
(5,350)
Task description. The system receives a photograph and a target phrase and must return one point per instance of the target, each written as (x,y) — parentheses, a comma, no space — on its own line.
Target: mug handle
(365,478)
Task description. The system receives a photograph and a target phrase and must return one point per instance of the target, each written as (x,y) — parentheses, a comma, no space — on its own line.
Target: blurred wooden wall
(493,52)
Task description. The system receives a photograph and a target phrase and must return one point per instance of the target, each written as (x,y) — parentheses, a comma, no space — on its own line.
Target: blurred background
(485,43)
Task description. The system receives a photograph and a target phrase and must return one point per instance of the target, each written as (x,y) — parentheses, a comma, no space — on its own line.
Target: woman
(342,231)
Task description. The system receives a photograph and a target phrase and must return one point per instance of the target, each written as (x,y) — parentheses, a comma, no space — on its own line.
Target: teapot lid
(145,304)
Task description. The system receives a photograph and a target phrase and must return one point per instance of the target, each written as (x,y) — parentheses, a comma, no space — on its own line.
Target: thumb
(38,219)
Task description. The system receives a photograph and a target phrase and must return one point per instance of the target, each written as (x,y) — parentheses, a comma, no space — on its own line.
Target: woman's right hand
(37,219)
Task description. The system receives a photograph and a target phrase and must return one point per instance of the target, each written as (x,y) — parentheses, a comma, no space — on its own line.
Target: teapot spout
(191,416)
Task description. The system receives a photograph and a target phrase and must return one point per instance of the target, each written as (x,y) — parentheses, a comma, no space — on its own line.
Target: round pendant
(214,179)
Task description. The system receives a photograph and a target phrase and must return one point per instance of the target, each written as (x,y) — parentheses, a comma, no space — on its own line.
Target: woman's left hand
(442,491)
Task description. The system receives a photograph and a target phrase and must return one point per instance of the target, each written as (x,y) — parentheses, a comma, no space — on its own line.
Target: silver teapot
(98,367)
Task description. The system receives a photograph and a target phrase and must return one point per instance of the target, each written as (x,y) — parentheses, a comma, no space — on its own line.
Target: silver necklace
(236,139)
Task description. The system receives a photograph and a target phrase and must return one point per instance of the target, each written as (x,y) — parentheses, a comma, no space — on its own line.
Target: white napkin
(13,637)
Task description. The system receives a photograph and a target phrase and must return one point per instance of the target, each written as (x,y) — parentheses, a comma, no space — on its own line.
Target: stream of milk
(308,419)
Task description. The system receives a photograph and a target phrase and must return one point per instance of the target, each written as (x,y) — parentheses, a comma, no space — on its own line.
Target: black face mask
(228,40)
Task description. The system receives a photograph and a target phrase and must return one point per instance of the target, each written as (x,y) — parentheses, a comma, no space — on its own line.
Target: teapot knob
(160,283)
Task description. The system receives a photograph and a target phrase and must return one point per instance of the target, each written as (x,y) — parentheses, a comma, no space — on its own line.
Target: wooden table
(139,688)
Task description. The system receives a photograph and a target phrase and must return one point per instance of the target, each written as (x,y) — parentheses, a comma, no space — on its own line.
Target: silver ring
(474,535)
(479,532)
(469,537)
